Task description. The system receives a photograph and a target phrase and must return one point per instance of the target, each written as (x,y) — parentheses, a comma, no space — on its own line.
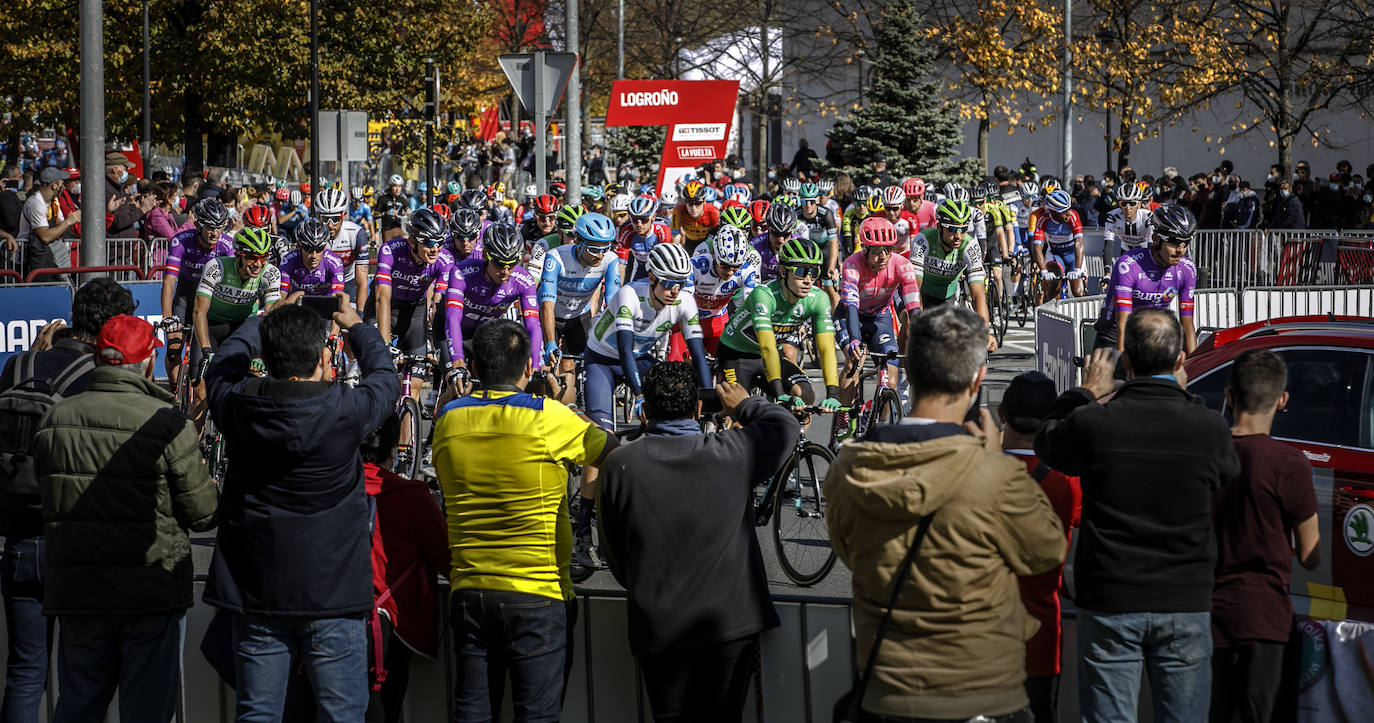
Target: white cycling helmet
(531,191)
(620,203)
(668,261)
(893,196)
(669,196)
(396,180)
(791,185)
(295,198)
(356,192)
(330,200)
(730,245)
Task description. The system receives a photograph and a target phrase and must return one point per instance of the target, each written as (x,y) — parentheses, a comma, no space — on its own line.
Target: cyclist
(1151,277)
(260,216)
(917,204)
(998,230)
(781,223)
(827,189)
(815,223)
(667,205)
(566,224)
(407,268)
(572,275)
(543,220)
(1057,224)
(1129,224)
(947,252)
(694,217)
(749,347)
(392,207)
(903,222)
(291,211)
(231,290)
(791,187)
(854,215)
(758,211)
(347,240)
(481,289)
(594,198)
(619,206)
(188,252)
(310,269)
(464,228)
(1029,192)
(634,240)
(724,269)
(360,211)
(737,216)
(873,277)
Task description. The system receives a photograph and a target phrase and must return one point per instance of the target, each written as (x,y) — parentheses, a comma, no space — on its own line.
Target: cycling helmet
(914,187)
(809,192)
(545,204)
(781,218)
(736,216)
(791,185)
(730,245)
(395,180)
(210,213)
(620,203)
(1129,192)
(956,192)
(282,194)
(1146,190)
(305,188)
(825,186)
(422,187)
(312,234)
(877,231)
(643,206)
(669,197)
(453,187)
(251,241)
(710,194)
(531,191)
(1173,223)
(367,192)
(874,203)
(669,262)
(474,198)
(465,223)
(894,197)
(502,244)
(694,191)
(742,193)
(356,192)
(568,216)
(758,210)
(296,198)
(1029,189)
(790,200)
(686,178)
(558,189)
(442,209)
(979,192)
(1058,200)
(991,189)
(330,201)
(257,216)
(862,194)
(1050,185)
(594,193)
(799,251)
(427,226)
(954,214)
(596,230)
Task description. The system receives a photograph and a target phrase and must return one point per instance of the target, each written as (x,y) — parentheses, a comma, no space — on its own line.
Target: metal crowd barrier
(137,258)
(1283,257)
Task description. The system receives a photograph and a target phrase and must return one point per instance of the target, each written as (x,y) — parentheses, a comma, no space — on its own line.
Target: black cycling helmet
(427,226)
(210,213)
(781,218)
(502,244)
(465,223)
(312,234)
(1173,223)
(474,198)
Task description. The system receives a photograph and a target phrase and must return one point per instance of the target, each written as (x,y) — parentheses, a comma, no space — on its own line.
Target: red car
(1330,418)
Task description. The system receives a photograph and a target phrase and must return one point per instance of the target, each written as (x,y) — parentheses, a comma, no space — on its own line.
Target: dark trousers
(1044,698)
(1245,682)
(1020,716)
(500,634)
(384,706)
(140,655)
(706,684)
(28,632)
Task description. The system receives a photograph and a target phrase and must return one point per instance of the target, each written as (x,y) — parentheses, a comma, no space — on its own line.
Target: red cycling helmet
(283,194)
(877,231)
(914,187)
(257,216)
(305,189)
(758,210)
(442,209)
(732,203)
(546,204)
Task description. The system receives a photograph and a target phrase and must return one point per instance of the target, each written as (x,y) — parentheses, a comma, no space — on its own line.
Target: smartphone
(325,306)
(973,410)
(710,402)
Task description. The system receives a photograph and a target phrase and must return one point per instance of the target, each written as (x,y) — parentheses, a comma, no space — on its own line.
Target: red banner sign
(698,114)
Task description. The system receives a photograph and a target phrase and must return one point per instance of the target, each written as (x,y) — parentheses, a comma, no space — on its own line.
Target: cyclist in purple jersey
(406,269)
(1152,277)
(187,255)
(480,290)
(464,228)
(298,278)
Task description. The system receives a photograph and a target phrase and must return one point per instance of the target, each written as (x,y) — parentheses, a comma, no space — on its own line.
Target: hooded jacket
(955,647)
(294,516)
(409,550)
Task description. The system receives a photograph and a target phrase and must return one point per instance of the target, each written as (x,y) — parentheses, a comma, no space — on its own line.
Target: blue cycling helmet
(595,230)
(646,188)
(710,194)
(643,206)
(1058,201)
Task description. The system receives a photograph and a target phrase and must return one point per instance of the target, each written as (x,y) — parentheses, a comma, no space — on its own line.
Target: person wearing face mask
(1216,204)
(46,247)
(69,198)
(1288,211)
(1327,204)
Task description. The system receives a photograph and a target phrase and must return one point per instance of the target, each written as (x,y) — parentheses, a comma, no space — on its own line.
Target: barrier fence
(1306,257)
(145,256)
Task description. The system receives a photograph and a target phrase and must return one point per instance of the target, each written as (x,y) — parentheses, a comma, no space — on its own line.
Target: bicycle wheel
(994,302)
(800,536)
(212,448)
(408,451)
(887,407)
(1004,307)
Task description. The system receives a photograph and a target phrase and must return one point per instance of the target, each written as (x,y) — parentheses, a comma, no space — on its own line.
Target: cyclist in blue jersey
(573,274)
(360,211)
(639,236)
(187,254)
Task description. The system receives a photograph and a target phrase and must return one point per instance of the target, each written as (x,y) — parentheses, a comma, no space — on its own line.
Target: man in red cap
(122,481)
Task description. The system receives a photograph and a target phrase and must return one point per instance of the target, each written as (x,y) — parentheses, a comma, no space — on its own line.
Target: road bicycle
(793,502)
(409,452)
(181,391)
(884,407)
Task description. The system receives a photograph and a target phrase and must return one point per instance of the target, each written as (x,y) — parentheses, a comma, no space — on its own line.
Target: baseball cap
(1027,400)
(115,158)
(129,335)
(879,158)
(50,174)
(73,173)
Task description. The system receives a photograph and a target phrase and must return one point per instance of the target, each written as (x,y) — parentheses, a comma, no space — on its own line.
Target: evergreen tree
(639,146)
(906,120)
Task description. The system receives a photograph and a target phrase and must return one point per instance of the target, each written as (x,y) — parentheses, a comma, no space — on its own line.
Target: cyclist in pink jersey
(871,277)
(917,204)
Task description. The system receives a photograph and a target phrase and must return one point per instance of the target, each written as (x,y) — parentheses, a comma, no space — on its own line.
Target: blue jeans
(1175,648)
(333,652)
(138,654)
(499,632)
(28,632)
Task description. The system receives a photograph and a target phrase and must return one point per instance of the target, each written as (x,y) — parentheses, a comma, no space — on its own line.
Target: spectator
(122,481)
(801,160)
(1149,461)
(1326,204)
(69,199)
(1288,209)
(409,549)
(10,209)
(216,180)
(45,246)
(698,591)
(161,220)
(117,167)
(879,177)
(22,569)
(596,167)
(1271,502)
(1304,185)
(500,455)
(1246,208)
(1216,204)
(1024,405)
(1085,194)
(955,649)
(291,559)
(1201,202)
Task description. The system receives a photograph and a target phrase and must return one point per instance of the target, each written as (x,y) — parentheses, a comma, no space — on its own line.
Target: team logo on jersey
(760,309)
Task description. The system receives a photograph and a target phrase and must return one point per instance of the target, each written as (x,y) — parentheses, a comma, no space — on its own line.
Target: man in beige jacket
(955,648)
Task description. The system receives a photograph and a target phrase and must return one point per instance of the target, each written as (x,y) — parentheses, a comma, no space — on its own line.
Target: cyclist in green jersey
(943,254)
(232,289)
(748,350)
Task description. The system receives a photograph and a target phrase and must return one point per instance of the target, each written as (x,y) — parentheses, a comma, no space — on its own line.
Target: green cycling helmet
(809,192)
(568,215)
(595,193)
(793,201)
(252,241)
(800,252)
(954,214)
(737,216)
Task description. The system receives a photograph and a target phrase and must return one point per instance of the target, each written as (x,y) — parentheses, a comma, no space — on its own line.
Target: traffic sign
(556,68)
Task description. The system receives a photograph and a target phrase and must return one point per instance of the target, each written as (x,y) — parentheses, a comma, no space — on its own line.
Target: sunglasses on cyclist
(331,217)
(955,229)
(643,219)
(430,243)
(252,257)
(1129,204)
(1178,243)
(311,248)
(696,203)
(805,272)
(731,267)
(505,265)
(545,216)
(880,250)
(672,284)
(620,216)
(595,250)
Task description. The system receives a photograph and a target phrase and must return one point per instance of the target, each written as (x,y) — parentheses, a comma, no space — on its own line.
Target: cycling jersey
(360,213)
(998,213)
(938,270)
(391,209)
(186,258)
(906,225)
(767,313)
(1140,282)
(869,290)
(351,245)
(286,226)
(473,299)
(1062,236)
(631,309)
(694,231)
(819,229)
(1023,210)
(569,283)
(634,249)
(925,215)
(1128,234)
(410,279)
(849,223)
(233,297)
(712,293)
(326,278)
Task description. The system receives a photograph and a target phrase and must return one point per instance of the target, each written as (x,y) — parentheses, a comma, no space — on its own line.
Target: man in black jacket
(696,581)
(293,559)
(1149,461)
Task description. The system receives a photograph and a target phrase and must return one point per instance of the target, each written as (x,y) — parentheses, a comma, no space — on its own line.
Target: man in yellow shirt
(501,456)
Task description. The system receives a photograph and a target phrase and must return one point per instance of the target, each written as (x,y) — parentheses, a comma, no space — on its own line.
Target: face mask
(1335,186)
(1216,179)
(1284,193)
(76,190)
(1367,198)
(123,176)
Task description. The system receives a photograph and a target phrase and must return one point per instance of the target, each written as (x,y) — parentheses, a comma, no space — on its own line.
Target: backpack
(21,407)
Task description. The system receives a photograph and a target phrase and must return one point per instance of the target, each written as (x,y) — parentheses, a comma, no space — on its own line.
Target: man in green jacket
(122,481)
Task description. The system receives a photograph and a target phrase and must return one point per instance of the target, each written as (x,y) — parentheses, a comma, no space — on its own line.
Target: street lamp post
(1068,92)
(147,96)
(314,92)
(92,133)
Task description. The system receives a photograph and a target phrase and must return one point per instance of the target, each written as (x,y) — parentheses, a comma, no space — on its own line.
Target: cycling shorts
(181,306)
(1066,260)
(878,332)
(711,329)
(599,377)
(1021,233)
(930,302)
(571,334)
(407,323)
(219,331)
(747,369)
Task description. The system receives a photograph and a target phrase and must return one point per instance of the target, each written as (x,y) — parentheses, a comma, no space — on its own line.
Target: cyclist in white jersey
(347,240)
(1129,223)
(724,269)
